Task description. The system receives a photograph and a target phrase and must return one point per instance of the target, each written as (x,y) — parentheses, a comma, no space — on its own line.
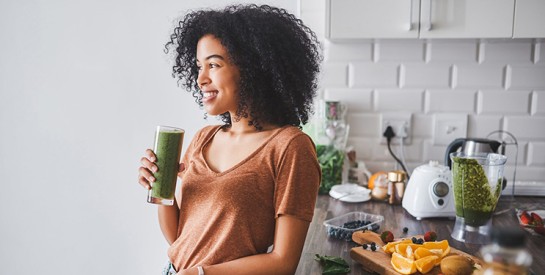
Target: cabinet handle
(411,16)
(428,27)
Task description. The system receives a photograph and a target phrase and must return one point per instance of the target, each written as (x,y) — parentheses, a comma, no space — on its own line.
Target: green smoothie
(168,147)
(474,198)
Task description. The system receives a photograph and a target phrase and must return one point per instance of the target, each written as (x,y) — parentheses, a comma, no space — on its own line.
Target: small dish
(350,192)
(343,226)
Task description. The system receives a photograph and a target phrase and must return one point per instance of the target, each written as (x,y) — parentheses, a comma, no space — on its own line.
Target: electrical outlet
(400,123)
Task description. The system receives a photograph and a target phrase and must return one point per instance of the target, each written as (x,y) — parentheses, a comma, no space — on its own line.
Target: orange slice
(402,264)
(389,248)
(406,249)
(424,265)
(422,252)
(443,245)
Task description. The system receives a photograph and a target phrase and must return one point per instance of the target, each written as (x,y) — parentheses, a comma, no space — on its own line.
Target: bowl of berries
(343,226)
(532,220)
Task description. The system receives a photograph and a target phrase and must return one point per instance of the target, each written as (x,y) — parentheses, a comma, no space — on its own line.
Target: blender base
(470,234)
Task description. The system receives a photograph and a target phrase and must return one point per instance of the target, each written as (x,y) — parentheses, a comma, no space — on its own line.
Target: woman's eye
(213,65)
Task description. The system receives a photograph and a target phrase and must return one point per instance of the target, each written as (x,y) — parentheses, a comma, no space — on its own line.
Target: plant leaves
(332,264)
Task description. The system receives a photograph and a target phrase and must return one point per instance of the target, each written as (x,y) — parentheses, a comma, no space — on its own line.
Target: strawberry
(430,236)
(387,236)
(536,219)
(540,230)
(525,218)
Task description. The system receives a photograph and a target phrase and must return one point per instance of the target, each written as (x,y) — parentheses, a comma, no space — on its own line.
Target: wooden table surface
(395,218)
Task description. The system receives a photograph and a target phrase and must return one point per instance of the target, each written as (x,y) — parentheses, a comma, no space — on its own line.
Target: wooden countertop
(395,218)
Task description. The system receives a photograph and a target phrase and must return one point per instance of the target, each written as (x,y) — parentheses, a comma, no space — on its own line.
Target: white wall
(82,85)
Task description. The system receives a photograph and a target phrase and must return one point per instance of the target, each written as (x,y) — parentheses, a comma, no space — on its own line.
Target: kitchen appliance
(471,146)
(429,192)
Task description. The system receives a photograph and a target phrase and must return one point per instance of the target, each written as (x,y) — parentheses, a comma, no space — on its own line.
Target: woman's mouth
(207,96)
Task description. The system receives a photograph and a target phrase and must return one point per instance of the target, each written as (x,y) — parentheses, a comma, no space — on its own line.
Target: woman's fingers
(145,172)
(181,168)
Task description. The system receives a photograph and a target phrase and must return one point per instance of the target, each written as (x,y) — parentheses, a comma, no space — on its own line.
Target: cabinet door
(529,19)
(352,19)
(467,18)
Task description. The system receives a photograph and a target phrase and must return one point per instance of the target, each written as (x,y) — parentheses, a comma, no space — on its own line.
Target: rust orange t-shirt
(232,214)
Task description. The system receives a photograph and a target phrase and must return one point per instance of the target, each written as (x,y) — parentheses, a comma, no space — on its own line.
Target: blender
(477,182)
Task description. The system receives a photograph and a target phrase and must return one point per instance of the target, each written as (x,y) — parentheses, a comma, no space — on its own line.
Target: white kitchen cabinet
(529,19)
(349,19)
(354,19)
(466,18)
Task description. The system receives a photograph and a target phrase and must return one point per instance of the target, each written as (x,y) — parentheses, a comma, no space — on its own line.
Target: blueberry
(405,229)
(364,246)
(373,248)
(415,241)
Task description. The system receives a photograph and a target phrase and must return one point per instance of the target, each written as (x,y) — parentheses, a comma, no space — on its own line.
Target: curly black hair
(277,55)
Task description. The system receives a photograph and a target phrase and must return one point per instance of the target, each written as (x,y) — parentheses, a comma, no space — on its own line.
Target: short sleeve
(298,179)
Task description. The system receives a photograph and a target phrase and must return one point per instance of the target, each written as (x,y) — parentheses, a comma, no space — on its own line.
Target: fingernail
(151,179)
(154,169)
(152,159)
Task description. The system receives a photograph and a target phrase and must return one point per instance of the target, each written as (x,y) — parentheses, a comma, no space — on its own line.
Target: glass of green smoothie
(167,148)
(477,183)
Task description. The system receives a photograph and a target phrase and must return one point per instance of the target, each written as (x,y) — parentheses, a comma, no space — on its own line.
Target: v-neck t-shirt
(232,214)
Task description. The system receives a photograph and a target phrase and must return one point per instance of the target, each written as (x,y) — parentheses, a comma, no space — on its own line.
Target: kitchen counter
(395,218)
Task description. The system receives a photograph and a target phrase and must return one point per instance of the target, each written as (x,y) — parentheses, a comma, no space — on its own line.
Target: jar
(506,253)
(396,186)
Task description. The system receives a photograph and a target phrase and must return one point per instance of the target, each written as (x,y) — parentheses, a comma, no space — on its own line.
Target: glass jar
(506,253)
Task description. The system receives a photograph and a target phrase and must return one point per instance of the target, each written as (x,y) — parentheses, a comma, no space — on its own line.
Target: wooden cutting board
(379,261)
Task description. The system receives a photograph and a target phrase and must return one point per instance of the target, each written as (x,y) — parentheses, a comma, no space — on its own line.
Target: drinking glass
(167,148)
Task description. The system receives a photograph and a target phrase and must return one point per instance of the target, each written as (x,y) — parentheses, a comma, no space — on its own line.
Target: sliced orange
(424,265)
(390,247)
(443,245)
(422,252)
(402,264)
(406,249)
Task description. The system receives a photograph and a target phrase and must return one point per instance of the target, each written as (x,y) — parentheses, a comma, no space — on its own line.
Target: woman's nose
(203,79)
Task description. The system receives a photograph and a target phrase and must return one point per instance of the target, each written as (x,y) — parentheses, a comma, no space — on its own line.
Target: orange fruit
(389,248)
(402,264)
(371,182)
(406,249)
(424,265)
(422,252)
(443,245)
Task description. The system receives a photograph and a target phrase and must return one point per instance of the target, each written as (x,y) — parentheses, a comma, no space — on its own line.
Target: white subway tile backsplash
(527,77)
(364,125)
(357,100)
(433,152)
(504,102)
(348,51)
(520,157)
(538,103)
(530,173)
(536,153)
(400,49)
(335,74)
(510,51)
(363,147)
(398,100)
(415,75)
(479,76)
(525,127)
(422,126)
(456,51)
(369,74)
(481,126)
(450,101)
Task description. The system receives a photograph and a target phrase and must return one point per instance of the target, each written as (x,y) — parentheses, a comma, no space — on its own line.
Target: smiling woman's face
(218,77)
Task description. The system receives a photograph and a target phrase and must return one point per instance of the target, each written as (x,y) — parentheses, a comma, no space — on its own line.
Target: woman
(248,186)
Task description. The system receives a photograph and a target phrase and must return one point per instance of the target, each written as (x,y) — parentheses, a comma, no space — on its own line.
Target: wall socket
(448,127)
(401,124)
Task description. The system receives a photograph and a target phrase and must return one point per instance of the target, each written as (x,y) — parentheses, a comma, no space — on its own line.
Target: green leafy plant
(332,264)
(331,162)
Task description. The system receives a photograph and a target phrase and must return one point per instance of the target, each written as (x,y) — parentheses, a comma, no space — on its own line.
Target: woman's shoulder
(291,134)
(206,131)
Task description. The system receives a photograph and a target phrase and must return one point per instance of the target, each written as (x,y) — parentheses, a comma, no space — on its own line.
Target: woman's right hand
(145,172)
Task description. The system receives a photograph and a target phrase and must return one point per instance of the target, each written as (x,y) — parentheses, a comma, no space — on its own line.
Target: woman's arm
(290,234)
